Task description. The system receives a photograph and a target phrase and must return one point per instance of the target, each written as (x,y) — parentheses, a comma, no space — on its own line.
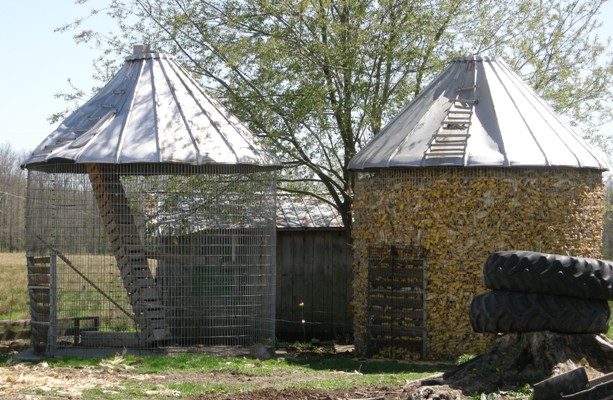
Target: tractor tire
(530,272)
(511,312)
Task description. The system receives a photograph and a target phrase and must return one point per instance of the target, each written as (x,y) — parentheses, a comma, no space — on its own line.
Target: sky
(36,63)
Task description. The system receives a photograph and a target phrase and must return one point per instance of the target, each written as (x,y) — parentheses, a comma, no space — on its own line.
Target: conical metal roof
(477,112)
(152,111)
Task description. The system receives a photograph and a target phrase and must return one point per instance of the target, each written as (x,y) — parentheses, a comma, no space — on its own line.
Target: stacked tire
(543,292)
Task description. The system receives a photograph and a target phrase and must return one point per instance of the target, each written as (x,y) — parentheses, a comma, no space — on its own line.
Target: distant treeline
(12,199)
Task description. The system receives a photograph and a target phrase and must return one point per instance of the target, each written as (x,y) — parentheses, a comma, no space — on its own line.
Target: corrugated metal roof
(299,211)
(152,111)
(294,211)
(477,112)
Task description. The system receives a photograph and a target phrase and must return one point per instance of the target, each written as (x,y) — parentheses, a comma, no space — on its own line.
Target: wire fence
(127,257)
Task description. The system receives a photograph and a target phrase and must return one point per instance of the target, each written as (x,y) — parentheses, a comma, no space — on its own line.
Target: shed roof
(302,211)
(152,111)
(477,112)
(294,211)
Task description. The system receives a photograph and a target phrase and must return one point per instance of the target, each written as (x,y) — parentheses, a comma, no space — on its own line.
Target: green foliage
(555,47)
(318,79)
(465,358)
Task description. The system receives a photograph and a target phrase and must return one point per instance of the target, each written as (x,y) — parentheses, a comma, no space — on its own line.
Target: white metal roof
(499,122)
(152,111)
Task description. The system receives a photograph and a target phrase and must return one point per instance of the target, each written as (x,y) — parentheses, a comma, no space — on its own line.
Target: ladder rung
(458,154)
(93,118)
(445,152)
(461,89)
(451,135)
(39,287)
(455,143)
(469,101)
(459,116)
(454,127)
(456,122)
(40,260)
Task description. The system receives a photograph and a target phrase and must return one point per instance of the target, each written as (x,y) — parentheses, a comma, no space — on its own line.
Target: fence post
(53,305)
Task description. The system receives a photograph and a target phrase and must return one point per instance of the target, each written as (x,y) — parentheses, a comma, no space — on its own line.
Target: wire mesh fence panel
(152,256)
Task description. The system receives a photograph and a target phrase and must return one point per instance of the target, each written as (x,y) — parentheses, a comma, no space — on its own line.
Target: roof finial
(140,49)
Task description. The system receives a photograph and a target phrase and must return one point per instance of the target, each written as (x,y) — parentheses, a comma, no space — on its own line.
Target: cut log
(599,388)
(567,383)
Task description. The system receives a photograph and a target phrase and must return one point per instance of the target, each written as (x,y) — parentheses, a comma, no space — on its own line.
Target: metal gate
(396,322)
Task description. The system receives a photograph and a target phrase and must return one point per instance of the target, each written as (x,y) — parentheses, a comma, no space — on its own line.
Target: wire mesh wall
(121,257)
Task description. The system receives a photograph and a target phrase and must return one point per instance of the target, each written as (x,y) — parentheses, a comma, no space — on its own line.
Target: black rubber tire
(530,272)
(509,312)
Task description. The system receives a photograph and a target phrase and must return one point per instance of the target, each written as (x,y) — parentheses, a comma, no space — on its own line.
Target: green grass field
(13,286)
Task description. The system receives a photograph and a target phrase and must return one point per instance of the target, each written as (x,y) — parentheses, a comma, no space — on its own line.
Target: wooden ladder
(129,252)
(451,139)
(39,288)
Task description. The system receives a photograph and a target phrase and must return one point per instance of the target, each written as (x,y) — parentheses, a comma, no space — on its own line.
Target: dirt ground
(512,360)
(40,381)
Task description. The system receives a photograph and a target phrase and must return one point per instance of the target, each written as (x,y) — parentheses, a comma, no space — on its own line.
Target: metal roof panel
(477,112)
(152,111)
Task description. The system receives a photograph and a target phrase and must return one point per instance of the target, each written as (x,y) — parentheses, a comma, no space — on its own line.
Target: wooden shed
(314,273)
(476,163)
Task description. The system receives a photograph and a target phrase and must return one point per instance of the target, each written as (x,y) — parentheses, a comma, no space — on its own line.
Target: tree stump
(526,358)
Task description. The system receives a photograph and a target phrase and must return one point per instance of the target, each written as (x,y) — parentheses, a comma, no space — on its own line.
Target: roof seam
(181,112)
(213,124)
(122,134)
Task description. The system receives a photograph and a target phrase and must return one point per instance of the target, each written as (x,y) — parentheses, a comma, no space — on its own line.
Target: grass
(14,301)
(190,375)
(73,301)
(323,373)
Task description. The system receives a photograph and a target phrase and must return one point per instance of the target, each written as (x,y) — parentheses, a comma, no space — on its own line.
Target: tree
(12,200)
(318,78)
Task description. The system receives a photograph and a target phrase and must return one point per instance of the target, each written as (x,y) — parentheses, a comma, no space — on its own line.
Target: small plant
(464,358)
